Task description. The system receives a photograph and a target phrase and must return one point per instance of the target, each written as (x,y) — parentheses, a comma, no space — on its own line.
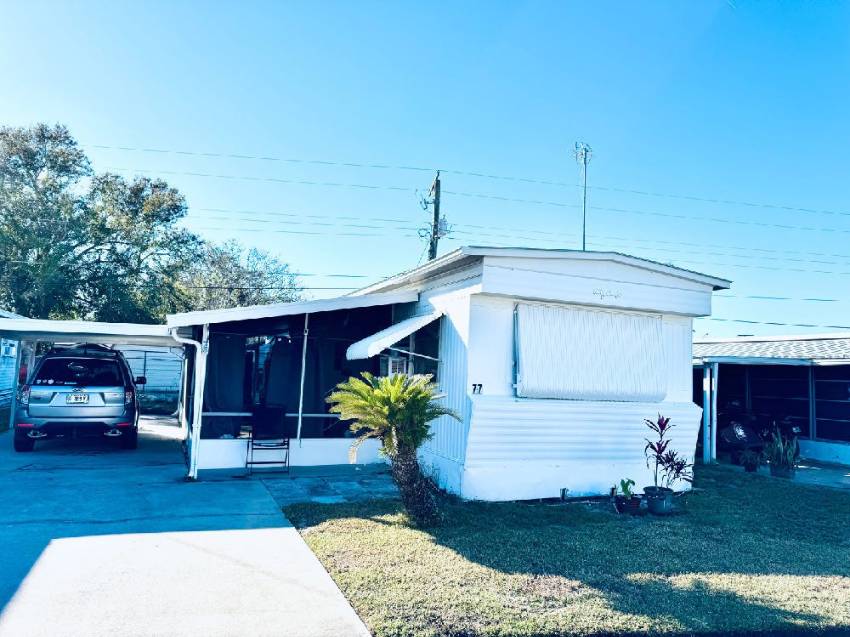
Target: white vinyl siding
(586,354)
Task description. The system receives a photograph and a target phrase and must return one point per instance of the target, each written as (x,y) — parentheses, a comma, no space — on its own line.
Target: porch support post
(303,370)
(184,394)
(706,413)
(198,401)
(715,374)
(813,414)
(13,400)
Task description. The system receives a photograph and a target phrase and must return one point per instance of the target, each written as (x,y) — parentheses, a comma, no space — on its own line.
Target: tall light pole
(583,154)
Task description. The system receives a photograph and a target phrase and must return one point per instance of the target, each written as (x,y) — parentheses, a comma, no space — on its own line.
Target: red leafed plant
(669,466)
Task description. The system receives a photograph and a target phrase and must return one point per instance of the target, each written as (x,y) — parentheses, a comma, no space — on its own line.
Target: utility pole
(435,225)
(583,153)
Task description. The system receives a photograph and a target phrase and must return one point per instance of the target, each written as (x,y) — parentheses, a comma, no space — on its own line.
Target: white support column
(184,395)
(706,413)
(303,370)
(715,374)
(13,401)
(198,401)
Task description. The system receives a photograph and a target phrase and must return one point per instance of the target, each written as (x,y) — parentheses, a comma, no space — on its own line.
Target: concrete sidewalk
(99,541)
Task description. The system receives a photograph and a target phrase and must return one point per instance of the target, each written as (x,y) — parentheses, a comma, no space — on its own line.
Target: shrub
(397,410)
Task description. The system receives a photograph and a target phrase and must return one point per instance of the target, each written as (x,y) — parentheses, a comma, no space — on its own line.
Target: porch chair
(268,433)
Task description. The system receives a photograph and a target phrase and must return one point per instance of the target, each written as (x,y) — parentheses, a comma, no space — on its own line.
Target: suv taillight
(24,395)
(128,397)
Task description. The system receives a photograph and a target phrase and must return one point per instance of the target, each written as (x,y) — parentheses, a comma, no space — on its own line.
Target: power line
(602,241)
(477,174)
(561,204)
(545,233)
(762,297)
(775,323)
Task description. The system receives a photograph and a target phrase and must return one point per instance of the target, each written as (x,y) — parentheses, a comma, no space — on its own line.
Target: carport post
(198,404)
(13,399)
(200,377)
(184,393)
(715,375)
(706,413)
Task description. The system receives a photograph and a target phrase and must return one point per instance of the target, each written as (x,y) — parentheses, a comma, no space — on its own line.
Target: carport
(29,332)
(315,335)
(126,530)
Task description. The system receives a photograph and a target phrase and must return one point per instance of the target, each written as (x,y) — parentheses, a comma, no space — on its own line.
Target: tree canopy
(76,244)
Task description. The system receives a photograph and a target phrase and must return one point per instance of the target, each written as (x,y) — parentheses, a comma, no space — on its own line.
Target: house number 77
(476,388)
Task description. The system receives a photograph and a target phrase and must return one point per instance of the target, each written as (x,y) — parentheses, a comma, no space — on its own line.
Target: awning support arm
(409,353)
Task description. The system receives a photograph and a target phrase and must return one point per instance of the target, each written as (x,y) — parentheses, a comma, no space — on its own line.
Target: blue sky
(736,102)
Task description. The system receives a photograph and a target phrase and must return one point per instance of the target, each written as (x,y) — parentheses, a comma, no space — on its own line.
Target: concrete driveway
(95,540)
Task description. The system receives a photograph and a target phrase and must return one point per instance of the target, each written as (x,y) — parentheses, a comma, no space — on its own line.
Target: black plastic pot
(659,500)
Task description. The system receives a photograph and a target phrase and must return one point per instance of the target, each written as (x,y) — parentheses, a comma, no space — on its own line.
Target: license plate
(77,399)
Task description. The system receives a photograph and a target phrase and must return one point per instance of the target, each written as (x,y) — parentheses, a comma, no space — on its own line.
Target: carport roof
(810,348)
(86,332)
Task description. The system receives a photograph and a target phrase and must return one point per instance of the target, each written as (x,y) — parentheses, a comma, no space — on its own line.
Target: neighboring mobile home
(766,380)
(552,359)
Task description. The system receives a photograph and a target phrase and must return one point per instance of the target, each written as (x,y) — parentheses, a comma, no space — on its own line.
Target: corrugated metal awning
(378,342)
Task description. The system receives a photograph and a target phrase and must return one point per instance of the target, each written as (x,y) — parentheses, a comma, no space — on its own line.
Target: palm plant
(397,410)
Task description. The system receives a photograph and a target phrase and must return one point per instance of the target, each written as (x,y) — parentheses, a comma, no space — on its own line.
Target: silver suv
(82,390)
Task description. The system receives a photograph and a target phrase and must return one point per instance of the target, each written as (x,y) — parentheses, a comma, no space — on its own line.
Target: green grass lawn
(744,553)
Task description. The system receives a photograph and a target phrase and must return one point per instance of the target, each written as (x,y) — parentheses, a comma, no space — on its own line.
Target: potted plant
(782,455)
(751,460)
(626,501)
(668,467)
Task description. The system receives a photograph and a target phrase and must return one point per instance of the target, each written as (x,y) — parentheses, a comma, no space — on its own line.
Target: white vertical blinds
(586,354)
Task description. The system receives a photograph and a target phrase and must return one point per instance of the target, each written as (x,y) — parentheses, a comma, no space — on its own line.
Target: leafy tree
(229,275)
(42,219)
(74,244)
(398,411)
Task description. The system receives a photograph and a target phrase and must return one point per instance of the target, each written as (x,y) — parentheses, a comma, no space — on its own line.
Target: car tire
(130,440)
(23,444)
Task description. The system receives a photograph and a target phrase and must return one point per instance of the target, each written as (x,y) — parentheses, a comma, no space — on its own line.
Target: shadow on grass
(692,571)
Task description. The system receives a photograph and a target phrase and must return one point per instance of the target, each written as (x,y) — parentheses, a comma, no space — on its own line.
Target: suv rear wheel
(23,443)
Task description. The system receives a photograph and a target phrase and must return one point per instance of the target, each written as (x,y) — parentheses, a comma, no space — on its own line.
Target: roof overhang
(85,332)
(764,360)
(751,360)
(275,310)
(467,254)
(378,342)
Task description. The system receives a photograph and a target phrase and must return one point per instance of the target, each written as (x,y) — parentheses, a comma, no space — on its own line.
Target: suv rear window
(79,371)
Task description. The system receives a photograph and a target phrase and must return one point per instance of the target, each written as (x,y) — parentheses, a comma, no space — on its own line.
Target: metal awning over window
(386,338)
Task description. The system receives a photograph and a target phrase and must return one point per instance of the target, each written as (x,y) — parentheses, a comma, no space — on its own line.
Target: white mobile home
(553,359)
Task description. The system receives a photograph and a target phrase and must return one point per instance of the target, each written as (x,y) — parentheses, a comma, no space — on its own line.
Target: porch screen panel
(584,354)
